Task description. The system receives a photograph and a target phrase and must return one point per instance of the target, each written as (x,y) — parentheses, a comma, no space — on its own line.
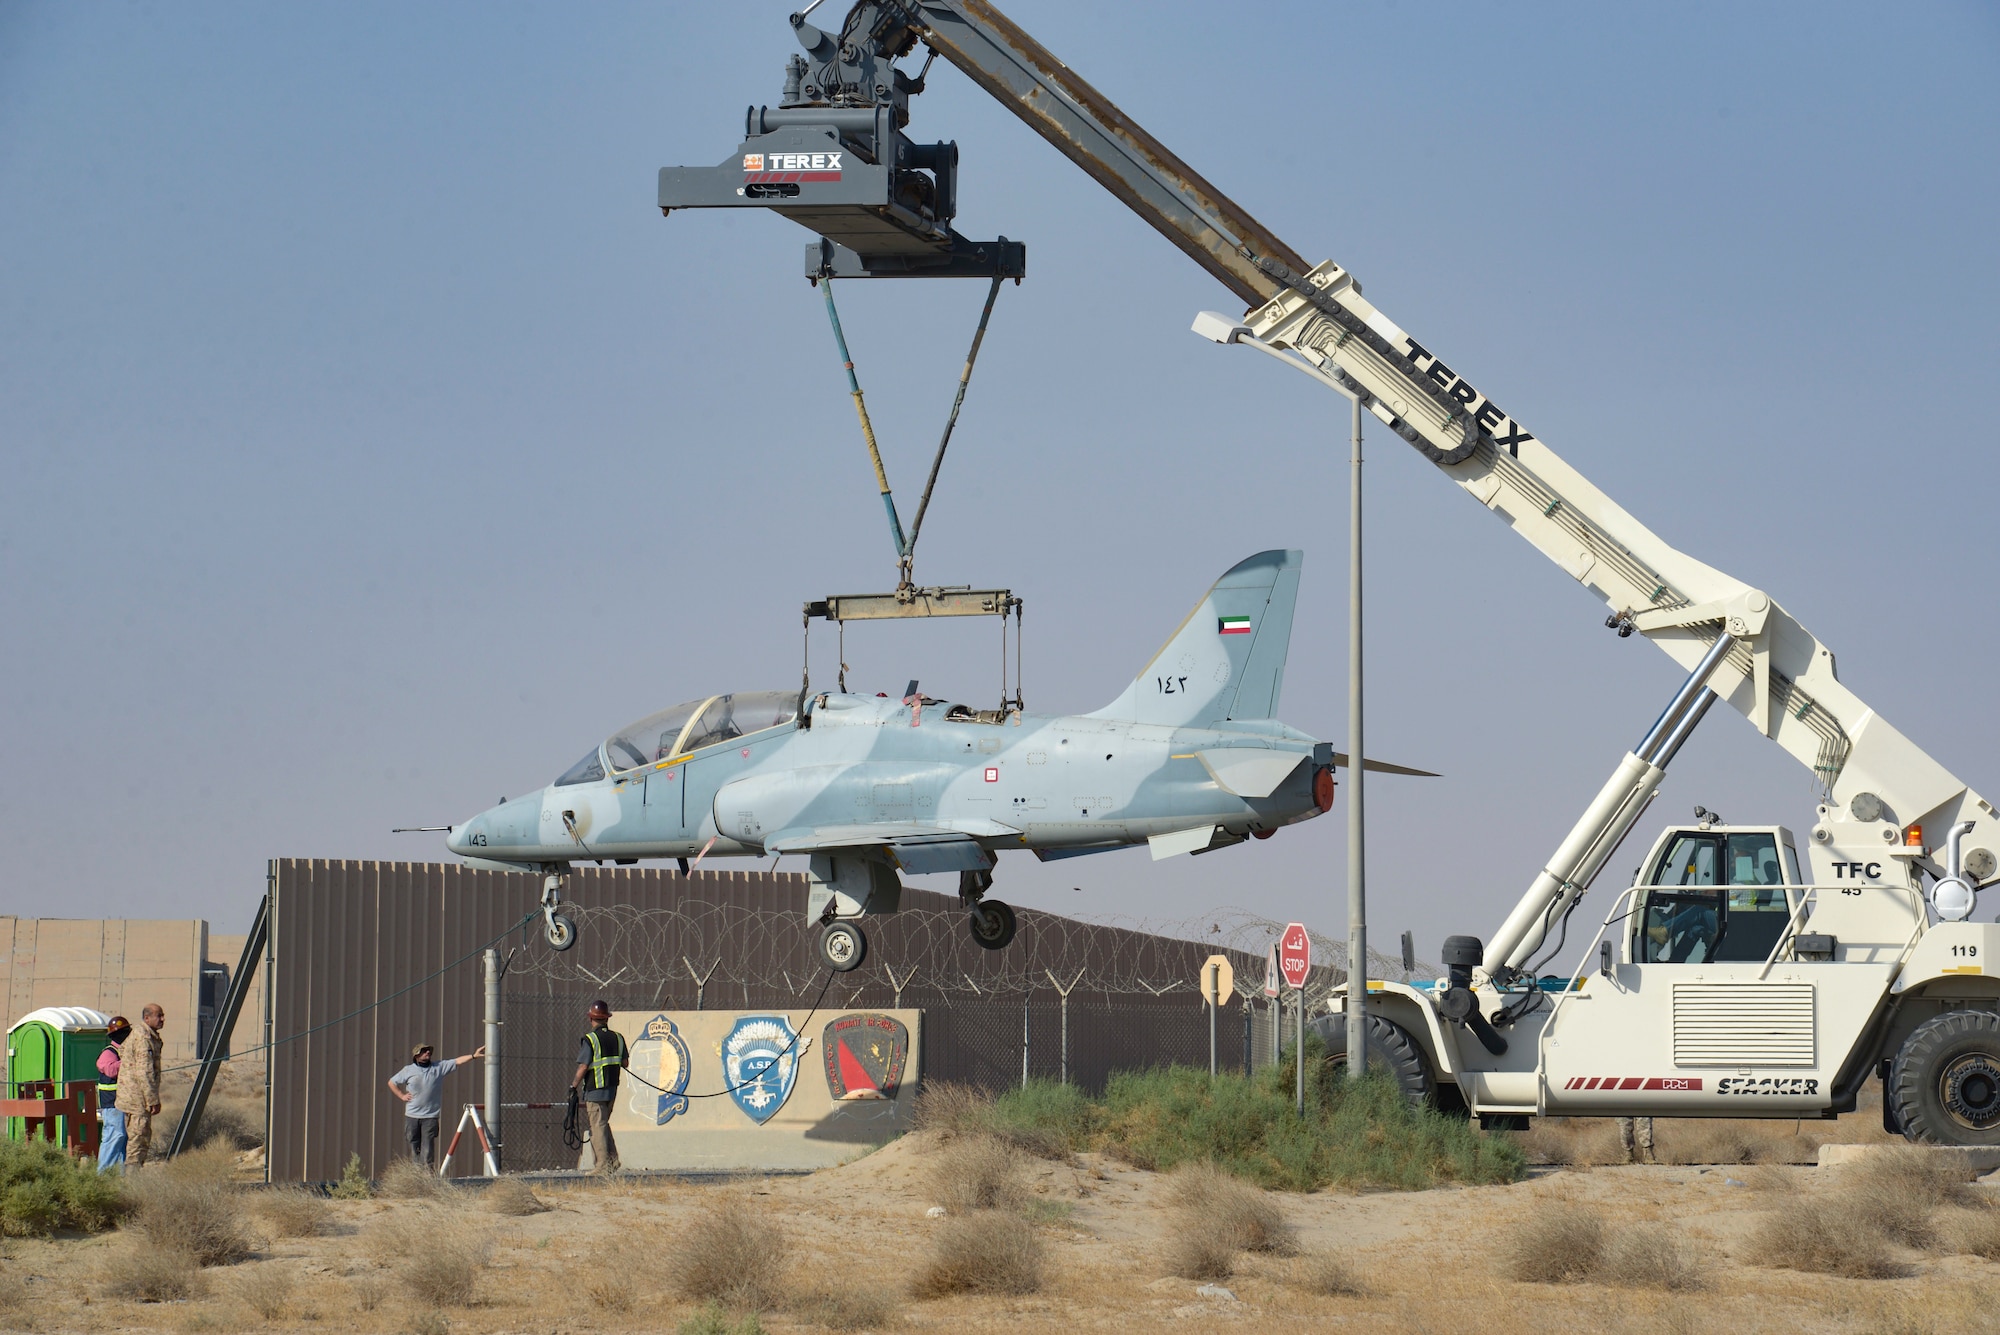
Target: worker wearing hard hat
(600,1061)
(111,1137)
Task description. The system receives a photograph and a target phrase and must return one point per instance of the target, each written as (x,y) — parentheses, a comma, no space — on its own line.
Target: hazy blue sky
(371,444)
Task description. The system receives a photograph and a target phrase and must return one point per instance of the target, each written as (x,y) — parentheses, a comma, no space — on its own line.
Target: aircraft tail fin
(1227,659)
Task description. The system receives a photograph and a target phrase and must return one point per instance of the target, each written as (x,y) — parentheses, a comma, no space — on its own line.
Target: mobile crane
(1731,978)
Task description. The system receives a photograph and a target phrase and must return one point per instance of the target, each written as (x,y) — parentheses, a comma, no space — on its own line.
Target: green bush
(1353,1134)
(1045,1118)
(42,1189)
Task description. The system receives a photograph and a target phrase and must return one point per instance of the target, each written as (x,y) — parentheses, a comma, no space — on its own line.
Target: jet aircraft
(1188,759)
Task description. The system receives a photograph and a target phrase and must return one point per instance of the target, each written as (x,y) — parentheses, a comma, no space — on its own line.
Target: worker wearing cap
(111,1122)
(600,1061)
(420,1086)
(139,1085)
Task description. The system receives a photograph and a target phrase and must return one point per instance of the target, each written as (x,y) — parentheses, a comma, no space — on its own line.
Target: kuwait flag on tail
(1232,625)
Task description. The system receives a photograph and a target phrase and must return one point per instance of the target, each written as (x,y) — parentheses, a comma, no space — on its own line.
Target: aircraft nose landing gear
(991,923)
(557,927)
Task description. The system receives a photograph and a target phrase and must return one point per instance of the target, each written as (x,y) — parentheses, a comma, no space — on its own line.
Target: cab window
(727,717)
(1717,897)
(698,723)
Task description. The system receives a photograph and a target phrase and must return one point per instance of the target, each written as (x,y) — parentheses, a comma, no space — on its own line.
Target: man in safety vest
(600,1061)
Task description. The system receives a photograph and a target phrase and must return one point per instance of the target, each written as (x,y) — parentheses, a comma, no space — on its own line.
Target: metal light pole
(1357,872)
(1222,329)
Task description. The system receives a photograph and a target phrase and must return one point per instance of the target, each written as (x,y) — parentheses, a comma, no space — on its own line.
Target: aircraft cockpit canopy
(684,728)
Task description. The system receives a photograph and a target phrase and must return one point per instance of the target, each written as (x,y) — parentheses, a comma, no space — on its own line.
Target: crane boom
(1776,672)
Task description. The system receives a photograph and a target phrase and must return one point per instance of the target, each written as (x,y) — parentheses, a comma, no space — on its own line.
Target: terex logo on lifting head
(794,166)
(1449,381)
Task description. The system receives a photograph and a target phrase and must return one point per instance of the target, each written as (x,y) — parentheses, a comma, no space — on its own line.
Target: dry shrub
(977,1173)
(265,1289)
(512,1196)
(1822,1236)
(369,1291)
(294,1212)
(1560,1244)
(150,1274)
(1242,1215)
(952,1109)
(1650,1257)
(1328,1276)
(438,1255)
(834,1306)
(609,1293)
(189,1205)
(736,1257)
(988,1252)
(1581,1141)
(1194,1252)
(430,1322)
(407,1180)
(1771,1178)
(1972,1233)
(1901,1189)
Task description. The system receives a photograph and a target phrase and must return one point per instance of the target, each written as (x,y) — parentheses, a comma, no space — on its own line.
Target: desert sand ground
(601,1257)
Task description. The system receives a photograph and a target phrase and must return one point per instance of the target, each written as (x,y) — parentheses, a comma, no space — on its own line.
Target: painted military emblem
(864,1056)
(660,1057)
(760,1063)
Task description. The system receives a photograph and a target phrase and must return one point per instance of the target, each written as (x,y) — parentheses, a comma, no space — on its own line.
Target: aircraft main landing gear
(556,927)
(842,946)
(991,923)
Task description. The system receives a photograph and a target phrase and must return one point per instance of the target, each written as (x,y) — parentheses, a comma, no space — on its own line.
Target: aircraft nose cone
(461,840)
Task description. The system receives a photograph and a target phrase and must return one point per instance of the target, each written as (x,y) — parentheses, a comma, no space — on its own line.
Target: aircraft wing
(915,848)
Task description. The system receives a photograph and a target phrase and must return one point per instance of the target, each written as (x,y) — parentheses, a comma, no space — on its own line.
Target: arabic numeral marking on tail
(1171,685)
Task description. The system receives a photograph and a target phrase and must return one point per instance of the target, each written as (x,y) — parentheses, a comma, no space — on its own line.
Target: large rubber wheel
(1945,1083)
(991,924)
(561,932)
(1390,1049)
(842,947)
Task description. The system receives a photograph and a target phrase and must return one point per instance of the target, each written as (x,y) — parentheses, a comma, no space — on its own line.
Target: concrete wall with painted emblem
(751,1090)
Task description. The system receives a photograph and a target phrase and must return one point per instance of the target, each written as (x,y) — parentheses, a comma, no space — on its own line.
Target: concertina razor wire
(718,949)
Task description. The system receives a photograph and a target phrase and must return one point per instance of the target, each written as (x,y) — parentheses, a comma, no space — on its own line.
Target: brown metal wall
(345,934)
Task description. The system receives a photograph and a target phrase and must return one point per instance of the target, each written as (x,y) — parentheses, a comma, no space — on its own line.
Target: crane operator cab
(1714,895)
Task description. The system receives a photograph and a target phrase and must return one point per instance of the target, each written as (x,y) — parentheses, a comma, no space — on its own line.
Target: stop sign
(1295,954)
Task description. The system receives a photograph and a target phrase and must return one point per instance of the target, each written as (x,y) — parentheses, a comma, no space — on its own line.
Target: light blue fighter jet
(1190,758)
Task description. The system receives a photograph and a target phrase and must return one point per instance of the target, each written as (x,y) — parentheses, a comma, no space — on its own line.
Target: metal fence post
(1247,1044)
(1063,992)
(1025,994)
(701,980)
(491,964)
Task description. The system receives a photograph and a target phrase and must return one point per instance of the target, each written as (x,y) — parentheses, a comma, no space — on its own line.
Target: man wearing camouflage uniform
(139,1085)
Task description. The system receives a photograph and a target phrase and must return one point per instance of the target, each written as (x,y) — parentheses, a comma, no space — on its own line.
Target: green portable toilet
(59,1043)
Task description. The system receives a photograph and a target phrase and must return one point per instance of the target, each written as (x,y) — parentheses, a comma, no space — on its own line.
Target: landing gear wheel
(560,931)
(842,946)
(991,924)
(1945,1082)
(1390,1050)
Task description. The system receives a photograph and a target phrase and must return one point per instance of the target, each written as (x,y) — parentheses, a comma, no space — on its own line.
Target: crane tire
(1945,1081)
(1390,1049)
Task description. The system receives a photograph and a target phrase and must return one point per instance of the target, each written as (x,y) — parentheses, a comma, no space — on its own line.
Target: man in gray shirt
(420,1086)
